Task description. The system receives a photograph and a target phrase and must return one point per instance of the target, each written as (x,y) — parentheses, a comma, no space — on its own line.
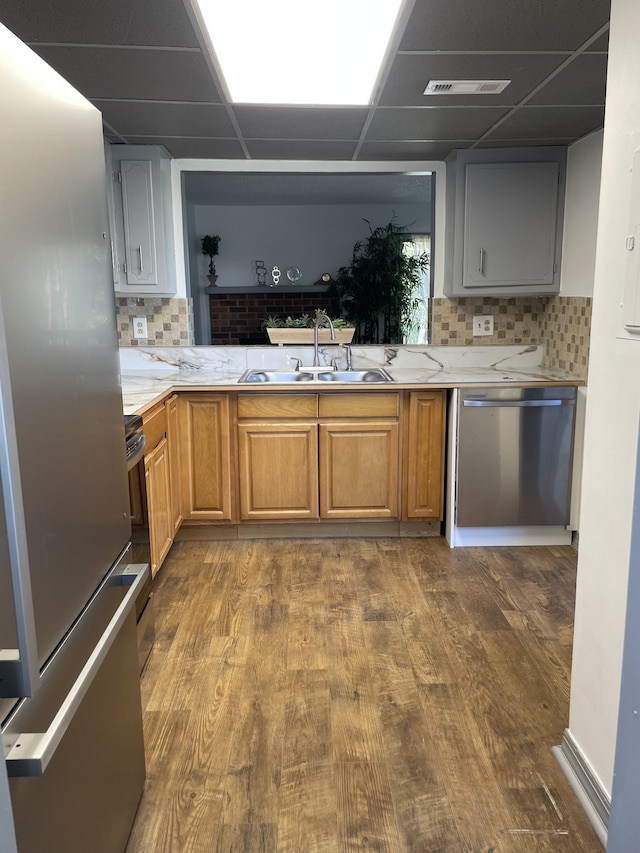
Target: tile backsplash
(169,321)
(561,323)
(566,331)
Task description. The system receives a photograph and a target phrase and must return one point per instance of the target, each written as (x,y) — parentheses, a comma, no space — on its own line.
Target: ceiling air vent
(466,87)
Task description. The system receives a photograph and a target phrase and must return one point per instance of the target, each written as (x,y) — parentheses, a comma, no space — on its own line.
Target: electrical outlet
(140,327)
(482,325)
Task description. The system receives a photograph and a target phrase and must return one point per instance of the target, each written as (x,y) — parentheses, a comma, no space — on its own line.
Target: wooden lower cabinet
(278,470)
(318,456)
(156,468)
(289,456)
(206,491)
(424,455)
(359,469)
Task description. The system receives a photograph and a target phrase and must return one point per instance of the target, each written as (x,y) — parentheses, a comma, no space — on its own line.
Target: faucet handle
(334,363)
(298,362)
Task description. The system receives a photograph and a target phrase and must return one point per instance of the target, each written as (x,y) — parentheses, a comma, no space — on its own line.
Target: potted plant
(376,291)
(210,245)
(299,330)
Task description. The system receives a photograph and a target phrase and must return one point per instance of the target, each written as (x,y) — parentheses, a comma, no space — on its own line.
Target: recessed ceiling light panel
(466,87)
(291,52)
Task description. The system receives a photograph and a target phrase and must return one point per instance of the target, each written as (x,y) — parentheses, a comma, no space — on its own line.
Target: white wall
(584,159)
(315,238)
(613,408)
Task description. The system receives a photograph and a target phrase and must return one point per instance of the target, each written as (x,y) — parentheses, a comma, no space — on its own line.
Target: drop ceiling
(146,69)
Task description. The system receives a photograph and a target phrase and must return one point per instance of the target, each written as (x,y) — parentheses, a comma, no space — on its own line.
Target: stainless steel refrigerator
(70,711)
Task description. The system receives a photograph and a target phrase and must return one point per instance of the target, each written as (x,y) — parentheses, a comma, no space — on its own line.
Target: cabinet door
(424,455)
(278,470)
(359,469)
(141,230)
(510,225)
(156,466)
(173,437)
(205,457)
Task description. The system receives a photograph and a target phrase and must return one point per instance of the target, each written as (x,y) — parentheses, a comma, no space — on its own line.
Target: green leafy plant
(305,321)
(210,248)
(376,290)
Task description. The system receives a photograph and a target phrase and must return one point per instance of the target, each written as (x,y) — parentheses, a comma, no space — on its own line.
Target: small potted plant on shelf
(210,248)
(299,330)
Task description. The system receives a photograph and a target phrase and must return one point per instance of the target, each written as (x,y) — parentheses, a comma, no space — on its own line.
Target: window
(418,329)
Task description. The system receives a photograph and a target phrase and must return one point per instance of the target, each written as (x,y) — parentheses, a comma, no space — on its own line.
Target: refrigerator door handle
(19,671)
(32,752)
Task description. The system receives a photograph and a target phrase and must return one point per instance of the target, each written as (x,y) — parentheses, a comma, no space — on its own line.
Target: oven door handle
(135,450)
(32,752)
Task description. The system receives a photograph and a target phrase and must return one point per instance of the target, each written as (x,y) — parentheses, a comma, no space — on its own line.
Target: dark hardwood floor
(359,695)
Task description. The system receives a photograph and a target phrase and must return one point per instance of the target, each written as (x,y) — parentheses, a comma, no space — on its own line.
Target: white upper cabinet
(141,220)
(506,226)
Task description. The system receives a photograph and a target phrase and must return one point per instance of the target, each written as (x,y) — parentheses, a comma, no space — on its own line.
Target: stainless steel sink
(256,376)
(373,374)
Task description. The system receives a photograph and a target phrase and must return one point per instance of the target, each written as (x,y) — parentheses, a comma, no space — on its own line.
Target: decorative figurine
(275,275)
(261,272)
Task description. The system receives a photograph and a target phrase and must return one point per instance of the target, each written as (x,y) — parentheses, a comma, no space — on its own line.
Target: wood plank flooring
(359,695)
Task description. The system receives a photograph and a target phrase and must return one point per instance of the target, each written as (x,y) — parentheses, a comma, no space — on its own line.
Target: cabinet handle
(141,264)
(481,265)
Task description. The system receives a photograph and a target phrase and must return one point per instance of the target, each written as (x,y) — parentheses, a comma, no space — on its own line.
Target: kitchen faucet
(324,319)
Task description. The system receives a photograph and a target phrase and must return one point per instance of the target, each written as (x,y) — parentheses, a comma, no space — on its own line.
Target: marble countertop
(149,374)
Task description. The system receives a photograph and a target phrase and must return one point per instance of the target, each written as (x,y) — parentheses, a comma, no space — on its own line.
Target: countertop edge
(229,385)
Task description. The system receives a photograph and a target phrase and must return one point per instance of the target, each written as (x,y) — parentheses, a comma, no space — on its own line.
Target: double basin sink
(372,374)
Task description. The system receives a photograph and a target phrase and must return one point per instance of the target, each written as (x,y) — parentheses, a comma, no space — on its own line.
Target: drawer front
(277,405)
(154,427)
(359,405)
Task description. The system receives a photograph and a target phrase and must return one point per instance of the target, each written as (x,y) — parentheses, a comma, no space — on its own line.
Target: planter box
(301,337)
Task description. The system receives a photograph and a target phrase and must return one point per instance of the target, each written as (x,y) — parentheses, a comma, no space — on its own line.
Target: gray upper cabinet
(141,220)
(506,225)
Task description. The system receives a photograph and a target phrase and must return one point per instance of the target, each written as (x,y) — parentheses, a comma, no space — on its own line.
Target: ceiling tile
(399,150)
(537,123)
(162,119)
(601,44)
(126,73)
(205,149)
(411,72)
(300,123)
(74,21)
(503,24)
(433,123)
(583,81)
(160,22)
(285,149)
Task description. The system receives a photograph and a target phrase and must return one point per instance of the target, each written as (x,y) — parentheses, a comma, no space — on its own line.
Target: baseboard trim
(593,799)
(308,530)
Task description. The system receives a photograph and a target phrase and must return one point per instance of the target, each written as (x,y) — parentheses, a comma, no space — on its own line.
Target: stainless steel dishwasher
(515,449)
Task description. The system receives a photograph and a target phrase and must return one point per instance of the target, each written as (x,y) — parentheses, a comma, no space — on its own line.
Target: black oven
(135,444)
(135,440)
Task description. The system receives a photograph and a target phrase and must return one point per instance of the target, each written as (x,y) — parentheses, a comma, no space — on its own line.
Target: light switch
(482,325)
